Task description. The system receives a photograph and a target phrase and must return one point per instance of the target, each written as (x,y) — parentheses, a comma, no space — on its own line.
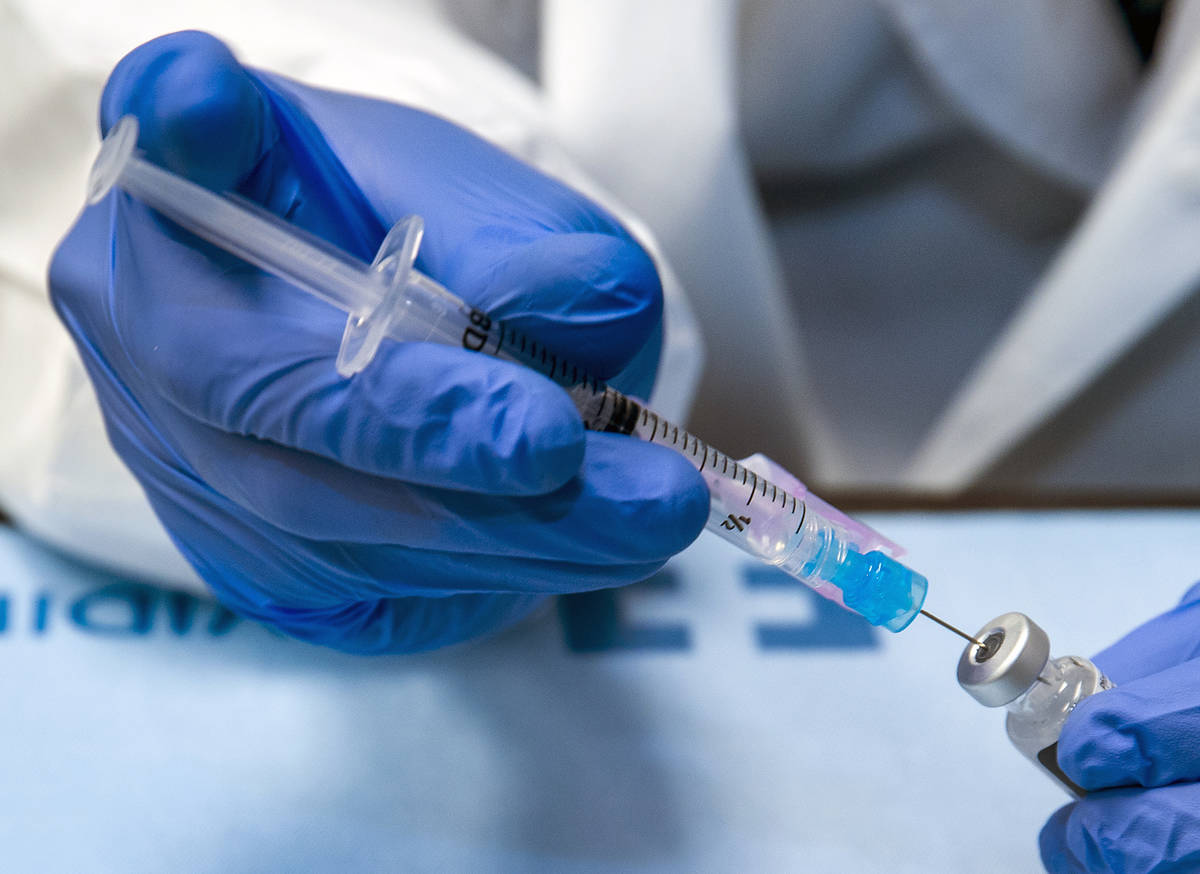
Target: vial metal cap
(1014,652)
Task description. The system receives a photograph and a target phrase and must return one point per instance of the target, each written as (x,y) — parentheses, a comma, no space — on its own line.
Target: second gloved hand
(1136,749)
(437,495)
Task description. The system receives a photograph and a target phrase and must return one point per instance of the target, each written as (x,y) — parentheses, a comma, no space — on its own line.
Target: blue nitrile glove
(435,496)
(1136,749)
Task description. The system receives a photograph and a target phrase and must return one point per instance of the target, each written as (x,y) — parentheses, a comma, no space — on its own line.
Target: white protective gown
(930,243)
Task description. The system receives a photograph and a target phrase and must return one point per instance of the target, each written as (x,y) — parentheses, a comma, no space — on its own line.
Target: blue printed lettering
(222,622)
(592,622)
(41,613)
(93,612)
(181,611)
(831,627)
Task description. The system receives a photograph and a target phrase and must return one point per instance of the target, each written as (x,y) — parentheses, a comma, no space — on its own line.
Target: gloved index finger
(1143,733)
(206,117)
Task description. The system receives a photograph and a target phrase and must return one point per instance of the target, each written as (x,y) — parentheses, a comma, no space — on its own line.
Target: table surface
(714,718)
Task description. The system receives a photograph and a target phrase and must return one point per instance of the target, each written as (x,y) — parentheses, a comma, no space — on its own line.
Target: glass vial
(1013,669)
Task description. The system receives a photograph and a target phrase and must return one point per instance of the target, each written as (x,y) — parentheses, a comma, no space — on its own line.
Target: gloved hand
(1136,749)
(435,496)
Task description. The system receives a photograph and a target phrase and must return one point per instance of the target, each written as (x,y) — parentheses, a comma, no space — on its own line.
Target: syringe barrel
(754,504)
(869,582)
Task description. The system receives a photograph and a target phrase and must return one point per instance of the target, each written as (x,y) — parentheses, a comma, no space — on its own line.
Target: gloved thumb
(206,117)
(1161,643)
(199,112)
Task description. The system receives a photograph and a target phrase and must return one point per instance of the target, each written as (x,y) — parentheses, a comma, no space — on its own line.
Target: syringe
(755,504)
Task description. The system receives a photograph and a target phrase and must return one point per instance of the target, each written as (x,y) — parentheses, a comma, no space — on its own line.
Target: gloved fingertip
(199,112)
(537,437)
(1110,741)
(1052,845)
(1089,742)
(662,500)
